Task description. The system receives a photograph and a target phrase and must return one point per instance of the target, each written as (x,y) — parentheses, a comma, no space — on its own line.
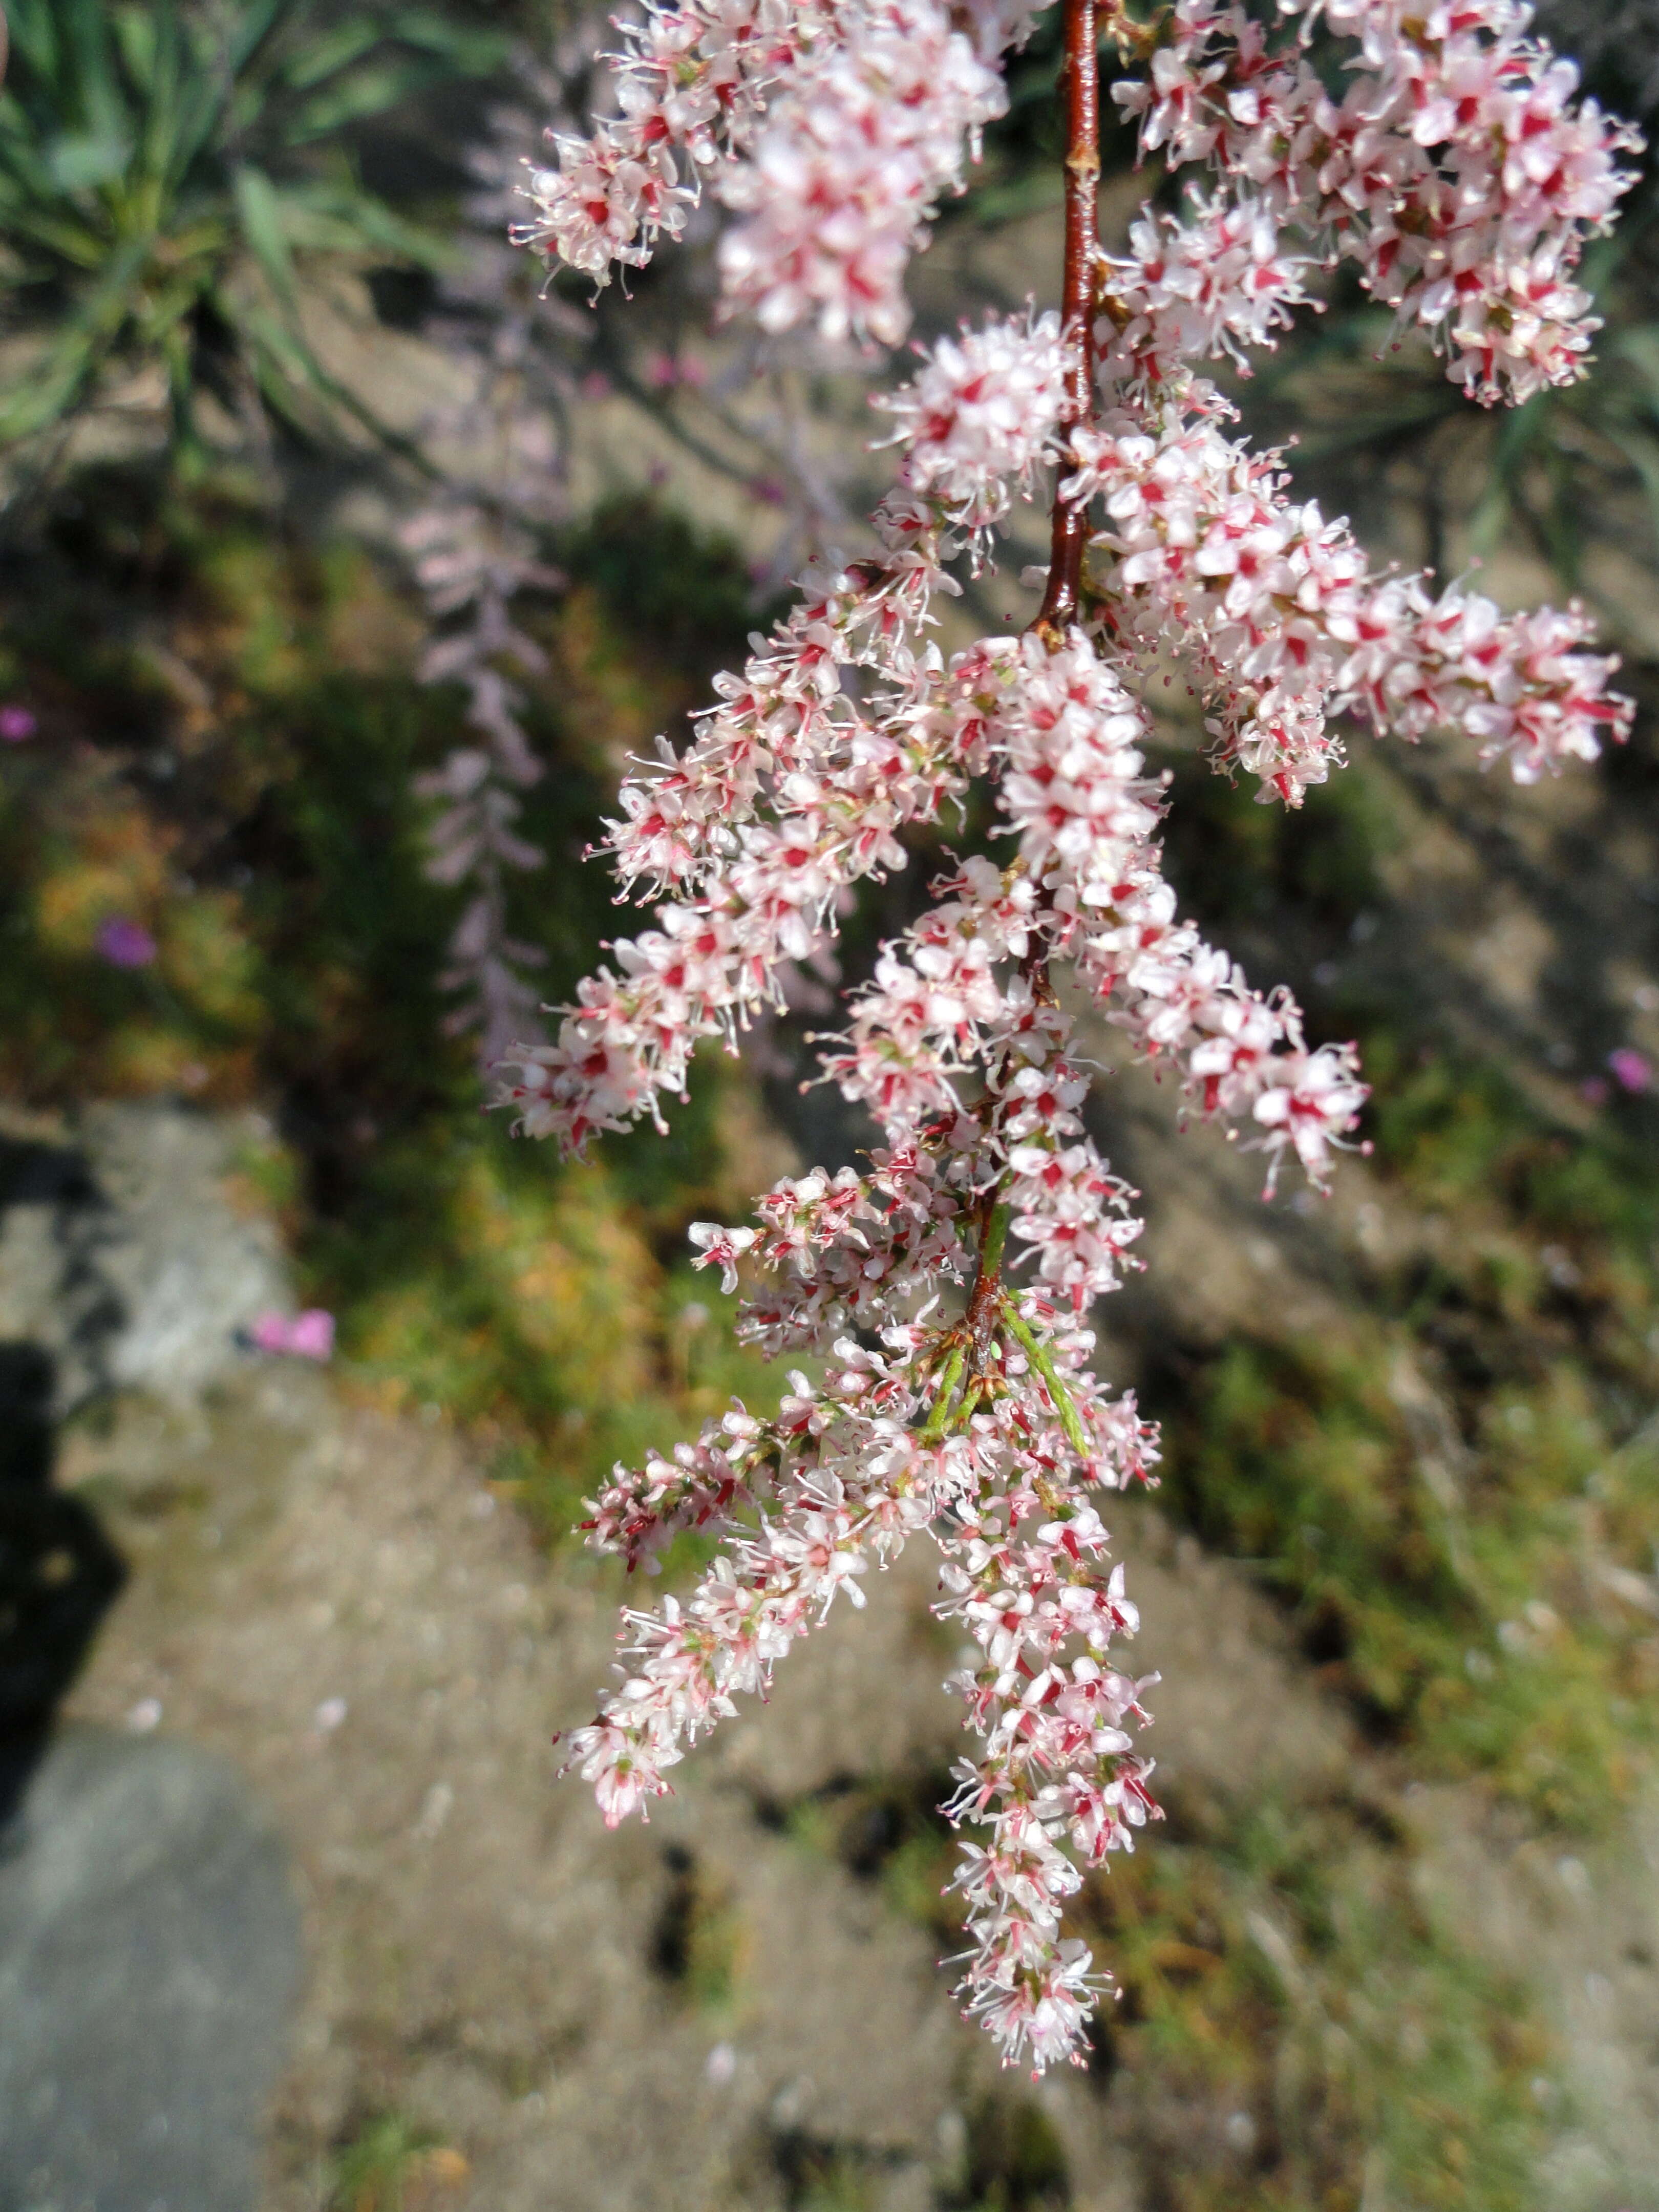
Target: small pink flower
(16,723)
(1629,1069)
(308,1335)
(125,943)
(312,1335)
(720,1247)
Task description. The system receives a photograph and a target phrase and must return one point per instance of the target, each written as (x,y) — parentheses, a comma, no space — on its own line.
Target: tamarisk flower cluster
(831,129)
(947,1289)
(1285,626)
(1455,170)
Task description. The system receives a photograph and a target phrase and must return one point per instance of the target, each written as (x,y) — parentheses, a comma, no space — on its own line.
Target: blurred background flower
(125,943)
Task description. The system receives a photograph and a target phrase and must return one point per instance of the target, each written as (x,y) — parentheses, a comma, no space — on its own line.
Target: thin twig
(1080,82)
(988,1308)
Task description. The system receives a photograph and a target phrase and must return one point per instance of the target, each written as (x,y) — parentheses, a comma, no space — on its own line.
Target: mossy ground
(228,738)
(1450,1489)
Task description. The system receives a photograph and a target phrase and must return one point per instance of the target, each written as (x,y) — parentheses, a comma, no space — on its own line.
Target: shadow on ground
(149,1940)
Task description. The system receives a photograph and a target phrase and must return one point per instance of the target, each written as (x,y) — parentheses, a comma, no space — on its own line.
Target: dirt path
(708,2012)
(701,2012)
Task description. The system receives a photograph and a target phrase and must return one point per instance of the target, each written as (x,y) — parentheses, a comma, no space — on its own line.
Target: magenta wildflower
(125,943)
(308,1335)
(1629,1069)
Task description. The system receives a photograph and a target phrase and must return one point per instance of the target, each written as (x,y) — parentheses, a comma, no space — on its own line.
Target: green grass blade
(259,212)
(258,23)
(89,63)
(35,38)
(326,56)
(331,218)
(64,379)
(136,31)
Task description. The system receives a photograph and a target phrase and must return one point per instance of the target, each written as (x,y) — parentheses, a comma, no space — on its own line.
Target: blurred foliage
(696,1945)
(228,764)
(1465,1600)
(1277,1969)
(1456,1491)
(171,171)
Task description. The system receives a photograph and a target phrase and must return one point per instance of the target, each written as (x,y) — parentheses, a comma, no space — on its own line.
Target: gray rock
(122,1258)
(150,1955)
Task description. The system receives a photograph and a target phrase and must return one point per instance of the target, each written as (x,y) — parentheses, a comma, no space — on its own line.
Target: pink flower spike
(1630,1071)
(16,723)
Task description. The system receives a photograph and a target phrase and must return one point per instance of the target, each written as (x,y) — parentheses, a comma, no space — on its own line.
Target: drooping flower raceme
(982,417)
(945,1293)
(471,565)
(1457,169)
(865,132)
(831,129)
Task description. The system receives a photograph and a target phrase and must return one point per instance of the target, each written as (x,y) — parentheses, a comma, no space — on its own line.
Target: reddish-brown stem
(1080,79)
(1080,87)
(985,1300)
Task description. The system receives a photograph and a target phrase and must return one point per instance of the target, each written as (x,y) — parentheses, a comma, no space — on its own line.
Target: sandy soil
(340,1604)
